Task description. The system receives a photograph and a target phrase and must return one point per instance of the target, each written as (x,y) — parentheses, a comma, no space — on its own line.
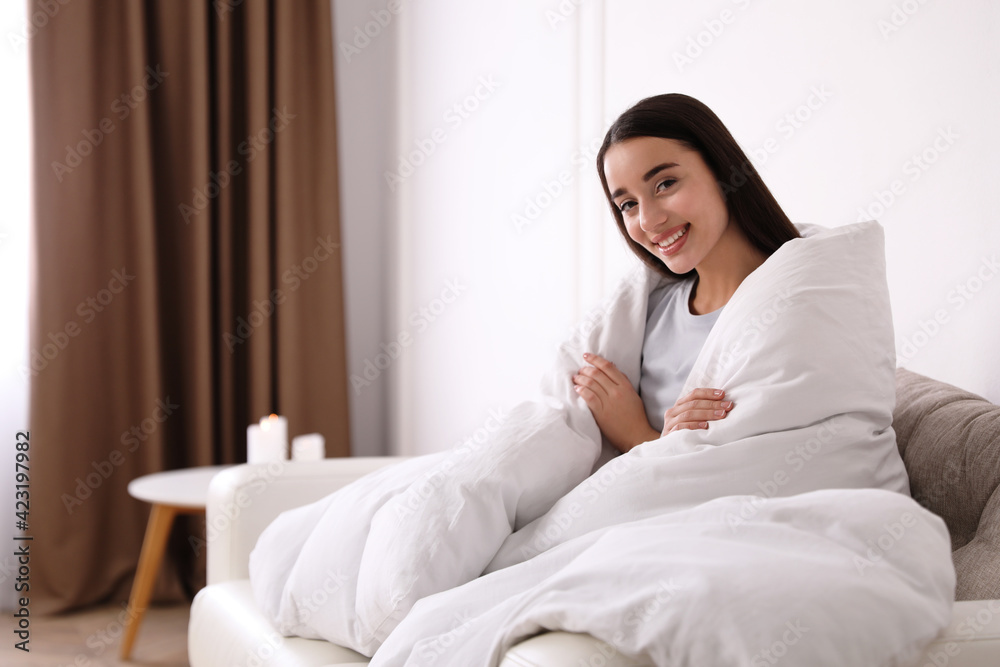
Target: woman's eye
(666,184)
(624,208)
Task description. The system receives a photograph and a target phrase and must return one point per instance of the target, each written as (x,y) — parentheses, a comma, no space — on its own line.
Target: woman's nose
(650,217)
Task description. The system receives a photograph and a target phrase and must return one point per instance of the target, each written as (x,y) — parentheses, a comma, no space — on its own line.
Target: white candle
(275,430)
(309,447)
(267,441)
(260,447)
(253,439)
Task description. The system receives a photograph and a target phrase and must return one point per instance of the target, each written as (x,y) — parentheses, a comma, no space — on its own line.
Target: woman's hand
(696,409)
(616,406)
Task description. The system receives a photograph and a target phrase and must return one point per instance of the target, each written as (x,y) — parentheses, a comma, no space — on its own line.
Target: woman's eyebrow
(646,177)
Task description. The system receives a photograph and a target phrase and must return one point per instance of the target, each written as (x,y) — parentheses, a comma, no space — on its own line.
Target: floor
(90,639)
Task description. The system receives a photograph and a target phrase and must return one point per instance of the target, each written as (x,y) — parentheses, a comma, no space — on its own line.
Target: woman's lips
(675,247)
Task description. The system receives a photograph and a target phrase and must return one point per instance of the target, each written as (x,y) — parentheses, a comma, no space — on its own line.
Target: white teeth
(664,244)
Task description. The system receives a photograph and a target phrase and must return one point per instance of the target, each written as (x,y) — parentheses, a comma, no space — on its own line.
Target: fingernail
(586,355)
(720,413)
(718,392)
(704,424)
(577,389)
(727,404)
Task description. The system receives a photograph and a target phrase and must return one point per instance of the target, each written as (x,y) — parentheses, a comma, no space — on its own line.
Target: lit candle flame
(266,422)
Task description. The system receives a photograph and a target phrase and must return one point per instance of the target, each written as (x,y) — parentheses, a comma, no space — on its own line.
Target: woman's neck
(719,275)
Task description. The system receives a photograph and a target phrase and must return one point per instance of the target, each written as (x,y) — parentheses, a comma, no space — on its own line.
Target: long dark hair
(684,119)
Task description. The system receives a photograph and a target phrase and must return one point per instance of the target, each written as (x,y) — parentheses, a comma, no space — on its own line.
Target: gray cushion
(950,443)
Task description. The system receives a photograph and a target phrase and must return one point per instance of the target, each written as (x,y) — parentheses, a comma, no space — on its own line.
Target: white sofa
(226,629)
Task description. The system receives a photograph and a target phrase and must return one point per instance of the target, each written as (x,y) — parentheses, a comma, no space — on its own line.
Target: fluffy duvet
(785,527)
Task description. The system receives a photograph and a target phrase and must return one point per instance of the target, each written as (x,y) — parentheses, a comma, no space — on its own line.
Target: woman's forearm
(645,435)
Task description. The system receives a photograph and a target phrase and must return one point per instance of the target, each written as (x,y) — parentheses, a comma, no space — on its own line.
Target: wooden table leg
(161,519)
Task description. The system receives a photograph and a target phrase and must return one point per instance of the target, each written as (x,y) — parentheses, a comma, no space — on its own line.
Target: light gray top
(674,337)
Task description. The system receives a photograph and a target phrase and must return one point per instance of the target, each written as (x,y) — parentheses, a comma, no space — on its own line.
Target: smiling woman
(690,204)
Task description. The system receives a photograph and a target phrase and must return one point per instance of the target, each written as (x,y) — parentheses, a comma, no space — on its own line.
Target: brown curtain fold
(187,276)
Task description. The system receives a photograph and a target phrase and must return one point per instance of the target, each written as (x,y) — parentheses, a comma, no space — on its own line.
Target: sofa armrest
(244,500)
(567,649)
(972,639)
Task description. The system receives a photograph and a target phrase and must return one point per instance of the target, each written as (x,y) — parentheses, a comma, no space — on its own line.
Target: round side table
(171,493)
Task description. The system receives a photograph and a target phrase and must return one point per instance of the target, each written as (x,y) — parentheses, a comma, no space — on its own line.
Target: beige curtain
(187,268)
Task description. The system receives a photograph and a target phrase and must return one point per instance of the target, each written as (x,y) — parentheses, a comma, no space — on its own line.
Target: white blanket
(804,348)
(822,579)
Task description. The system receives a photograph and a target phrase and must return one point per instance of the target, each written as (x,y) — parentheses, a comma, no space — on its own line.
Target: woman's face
(669,199)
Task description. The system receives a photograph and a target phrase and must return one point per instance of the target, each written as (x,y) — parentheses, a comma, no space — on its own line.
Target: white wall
(15,232)
(515,139)
(366,108)
(562,72)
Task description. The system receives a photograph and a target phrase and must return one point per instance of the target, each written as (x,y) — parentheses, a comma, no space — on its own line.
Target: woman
(691,206)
